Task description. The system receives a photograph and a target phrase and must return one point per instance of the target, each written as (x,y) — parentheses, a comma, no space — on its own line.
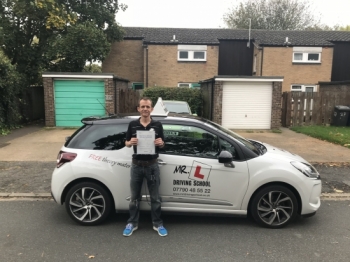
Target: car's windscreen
(99,137)
(237,137)
(181,108)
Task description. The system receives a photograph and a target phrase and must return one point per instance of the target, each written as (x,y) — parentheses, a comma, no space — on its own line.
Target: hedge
(193,96)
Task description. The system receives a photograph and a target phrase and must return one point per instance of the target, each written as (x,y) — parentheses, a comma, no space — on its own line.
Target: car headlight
(306,169)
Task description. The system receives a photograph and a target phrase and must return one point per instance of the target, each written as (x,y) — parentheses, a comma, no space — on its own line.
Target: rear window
(99,137)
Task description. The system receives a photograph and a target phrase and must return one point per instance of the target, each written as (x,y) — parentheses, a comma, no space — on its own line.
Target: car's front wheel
(88,203)
(274,206)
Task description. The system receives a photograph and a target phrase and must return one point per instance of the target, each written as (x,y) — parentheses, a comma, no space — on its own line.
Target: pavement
(38,144)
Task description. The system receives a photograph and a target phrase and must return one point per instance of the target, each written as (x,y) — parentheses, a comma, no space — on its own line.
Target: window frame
(305,52)
(191,50)
(302,88)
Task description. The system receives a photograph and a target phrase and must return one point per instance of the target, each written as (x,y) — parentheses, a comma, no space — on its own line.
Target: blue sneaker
(161,231)
(129,229)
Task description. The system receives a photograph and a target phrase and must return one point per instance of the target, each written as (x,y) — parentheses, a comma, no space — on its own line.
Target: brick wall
(49,102)
(110,93)
(277,61)
(276,111)
(165,70)
(126,60)
(217,102)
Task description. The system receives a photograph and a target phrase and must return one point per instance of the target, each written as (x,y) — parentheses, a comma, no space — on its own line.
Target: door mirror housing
(225,157)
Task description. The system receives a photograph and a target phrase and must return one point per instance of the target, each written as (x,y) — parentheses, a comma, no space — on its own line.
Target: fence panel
(300,108)
(128,100)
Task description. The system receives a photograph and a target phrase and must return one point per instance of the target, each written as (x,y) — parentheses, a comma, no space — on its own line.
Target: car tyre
(274,206)
(88,203)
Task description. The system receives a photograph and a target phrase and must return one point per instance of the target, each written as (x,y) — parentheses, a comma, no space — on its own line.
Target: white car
(204,168)
(178,107)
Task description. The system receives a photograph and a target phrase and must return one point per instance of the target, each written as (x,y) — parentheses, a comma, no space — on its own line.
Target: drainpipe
(262,60)
(146,51)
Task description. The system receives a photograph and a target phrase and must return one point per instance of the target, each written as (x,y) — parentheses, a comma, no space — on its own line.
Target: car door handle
(161,162)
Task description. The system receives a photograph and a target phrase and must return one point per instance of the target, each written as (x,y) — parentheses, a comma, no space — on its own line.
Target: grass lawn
(334,134)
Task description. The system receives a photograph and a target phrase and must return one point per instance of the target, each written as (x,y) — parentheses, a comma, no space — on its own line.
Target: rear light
(65,157)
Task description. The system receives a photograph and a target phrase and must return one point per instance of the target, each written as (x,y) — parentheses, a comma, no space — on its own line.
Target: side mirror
(225,157)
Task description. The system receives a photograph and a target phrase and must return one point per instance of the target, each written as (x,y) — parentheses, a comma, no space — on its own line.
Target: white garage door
(247,105)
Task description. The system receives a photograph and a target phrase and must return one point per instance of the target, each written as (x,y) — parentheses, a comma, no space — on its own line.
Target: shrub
(11,88)
(193,96)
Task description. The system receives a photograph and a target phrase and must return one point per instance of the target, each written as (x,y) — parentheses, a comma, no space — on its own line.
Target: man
(144,166)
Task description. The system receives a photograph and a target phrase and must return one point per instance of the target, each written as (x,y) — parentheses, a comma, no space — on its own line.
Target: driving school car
(204,168)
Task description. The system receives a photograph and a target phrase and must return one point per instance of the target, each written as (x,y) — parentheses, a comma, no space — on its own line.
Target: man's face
(145,108)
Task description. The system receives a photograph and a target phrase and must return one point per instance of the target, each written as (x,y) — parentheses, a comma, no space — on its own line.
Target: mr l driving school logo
(199,171)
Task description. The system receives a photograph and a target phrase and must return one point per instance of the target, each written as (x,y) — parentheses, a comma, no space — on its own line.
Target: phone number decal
(191,191)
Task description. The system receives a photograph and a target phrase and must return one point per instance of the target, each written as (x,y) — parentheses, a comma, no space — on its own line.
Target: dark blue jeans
(137,174)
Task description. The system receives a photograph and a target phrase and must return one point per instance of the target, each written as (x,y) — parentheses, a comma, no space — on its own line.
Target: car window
(189,141)
(99,137)
(224,145)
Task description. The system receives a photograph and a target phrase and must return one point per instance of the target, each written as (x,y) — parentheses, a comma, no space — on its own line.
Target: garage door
(76,99)
(247,105)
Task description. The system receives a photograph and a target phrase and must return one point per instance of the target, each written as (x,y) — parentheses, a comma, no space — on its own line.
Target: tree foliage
(10,93)
(46,35)
(271,15)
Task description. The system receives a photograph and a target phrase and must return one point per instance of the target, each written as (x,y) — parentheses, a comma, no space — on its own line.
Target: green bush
(193,96)
(11,90)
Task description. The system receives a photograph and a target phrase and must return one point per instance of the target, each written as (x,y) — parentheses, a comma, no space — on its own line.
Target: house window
(307,54)
(303,88)
(137,86)
(192,53)
(190,85)
(184,85)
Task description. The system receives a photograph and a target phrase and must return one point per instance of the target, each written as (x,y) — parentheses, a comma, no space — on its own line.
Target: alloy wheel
(275,208)
(87,204)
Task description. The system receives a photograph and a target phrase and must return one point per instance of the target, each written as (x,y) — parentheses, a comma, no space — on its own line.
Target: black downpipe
(115,96)
(212,99)
(146,66)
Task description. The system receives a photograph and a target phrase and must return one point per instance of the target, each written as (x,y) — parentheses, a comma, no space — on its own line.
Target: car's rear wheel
(88,203)
(274,206)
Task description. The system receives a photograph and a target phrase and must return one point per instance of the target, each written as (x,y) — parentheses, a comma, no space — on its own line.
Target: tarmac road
(43,231)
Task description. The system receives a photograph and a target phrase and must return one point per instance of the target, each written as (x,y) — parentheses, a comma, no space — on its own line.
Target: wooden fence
(128,100)
(303,108)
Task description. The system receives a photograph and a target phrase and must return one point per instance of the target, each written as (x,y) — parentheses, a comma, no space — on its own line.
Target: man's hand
(159,142)
(132,142)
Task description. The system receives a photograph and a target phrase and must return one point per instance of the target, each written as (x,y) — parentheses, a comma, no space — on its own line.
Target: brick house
(183,57)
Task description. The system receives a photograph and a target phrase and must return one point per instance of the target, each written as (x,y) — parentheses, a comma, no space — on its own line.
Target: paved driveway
(43,144)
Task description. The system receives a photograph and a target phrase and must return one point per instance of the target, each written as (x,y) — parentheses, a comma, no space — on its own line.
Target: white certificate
(145,142)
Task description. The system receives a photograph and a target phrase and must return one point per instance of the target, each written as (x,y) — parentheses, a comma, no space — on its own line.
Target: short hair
(145,98)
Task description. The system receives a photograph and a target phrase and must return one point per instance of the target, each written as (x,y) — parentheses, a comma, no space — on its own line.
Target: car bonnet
(280,153)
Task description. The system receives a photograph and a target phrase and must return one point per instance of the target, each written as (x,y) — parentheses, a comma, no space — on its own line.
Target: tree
(10,92)
(82,42)
(271,15)
(32,28)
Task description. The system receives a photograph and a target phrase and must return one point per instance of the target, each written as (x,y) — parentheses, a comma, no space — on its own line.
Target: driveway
(43,144)
(312,149)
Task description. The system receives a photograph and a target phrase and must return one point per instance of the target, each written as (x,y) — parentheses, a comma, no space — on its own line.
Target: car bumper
(61,177)
(311,201)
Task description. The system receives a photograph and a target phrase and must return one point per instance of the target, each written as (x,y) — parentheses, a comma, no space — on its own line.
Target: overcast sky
(209,13)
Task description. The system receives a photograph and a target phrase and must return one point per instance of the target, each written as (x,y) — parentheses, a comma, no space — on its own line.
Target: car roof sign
(159,108)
